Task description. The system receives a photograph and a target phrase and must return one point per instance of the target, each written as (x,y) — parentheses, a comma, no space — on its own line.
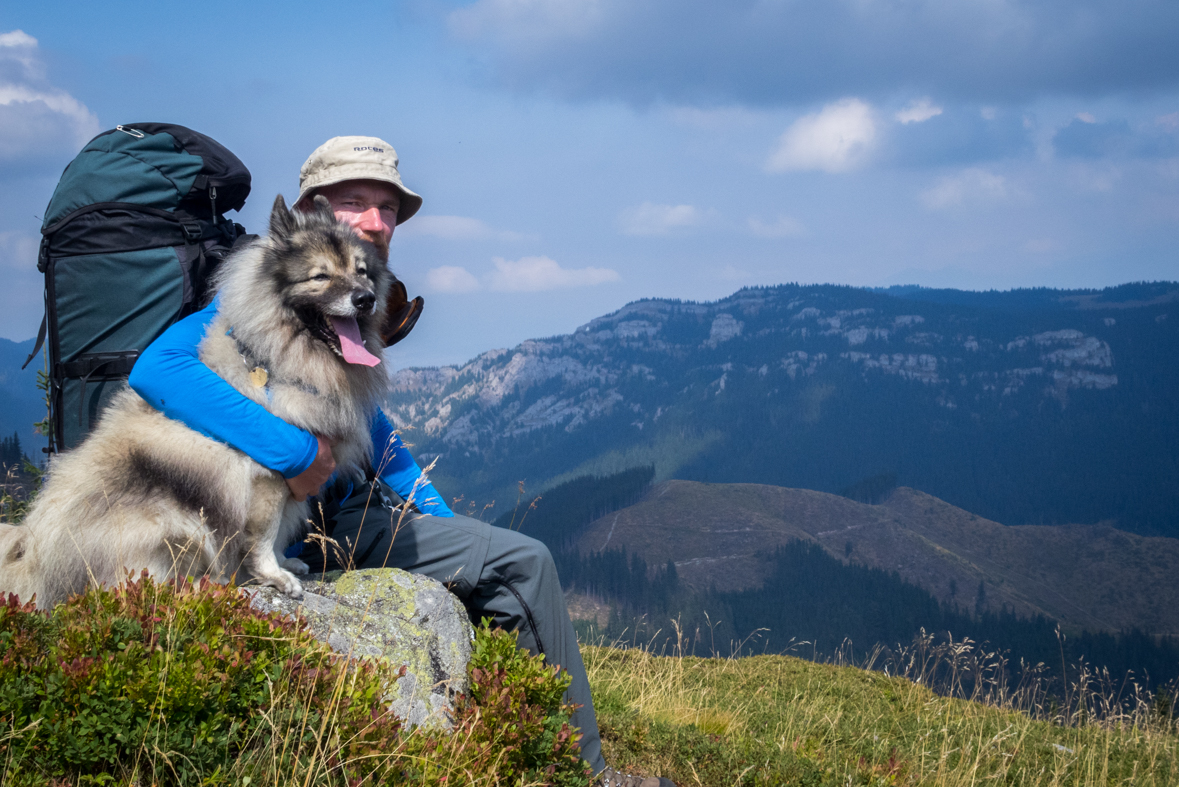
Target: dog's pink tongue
(351,345)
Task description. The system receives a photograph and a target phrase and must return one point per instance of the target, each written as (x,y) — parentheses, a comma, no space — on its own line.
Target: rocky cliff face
(667,381)
(465,406)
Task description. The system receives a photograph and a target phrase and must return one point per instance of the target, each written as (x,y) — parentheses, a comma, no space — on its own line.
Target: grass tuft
(944,715)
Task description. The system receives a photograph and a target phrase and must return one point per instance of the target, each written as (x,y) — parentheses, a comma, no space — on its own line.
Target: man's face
(369,207)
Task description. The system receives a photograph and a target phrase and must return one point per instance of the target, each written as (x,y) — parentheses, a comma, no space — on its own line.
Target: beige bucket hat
(355,158)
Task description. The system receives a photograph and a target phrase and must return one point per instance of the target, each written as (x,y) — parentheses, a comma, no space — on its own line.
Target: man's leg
(518,588)
(496,573)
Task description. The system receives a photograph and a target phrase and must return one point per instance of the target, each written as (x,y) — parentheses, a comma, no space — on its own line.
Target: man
(497,573)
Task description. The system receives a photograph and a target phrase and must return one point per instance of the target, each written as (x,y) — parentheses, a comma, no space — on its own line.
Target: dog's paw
(296,566)
(286,583)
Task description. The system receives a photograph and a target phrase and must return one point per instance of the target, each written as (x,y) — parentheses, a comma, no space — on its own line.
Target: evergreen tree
(11,453)
(808,596)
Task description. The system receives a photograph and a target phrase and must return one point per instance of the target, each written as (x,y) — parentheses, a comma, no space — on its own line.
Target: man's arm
(169,375)
(396,467)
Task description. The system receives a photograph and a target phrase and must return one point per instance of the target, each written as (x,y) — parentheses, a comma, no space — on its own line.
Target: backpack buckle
(43,255)
(191,229)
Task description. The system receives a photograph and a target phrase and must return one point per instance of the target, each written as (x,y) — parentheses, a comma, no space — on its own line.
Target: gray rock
(390,614)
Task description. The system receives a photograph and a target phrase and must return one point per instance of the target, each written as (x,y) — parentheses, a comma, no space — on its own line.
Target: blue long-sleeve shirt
(170,376)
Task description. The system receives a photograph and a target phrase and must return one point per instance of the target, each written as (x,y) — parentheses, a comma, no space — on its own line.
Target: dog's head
(330,280)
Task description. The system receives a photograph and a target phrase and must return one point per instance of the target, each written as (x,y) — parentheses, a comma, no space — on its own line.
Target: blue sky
(575,155)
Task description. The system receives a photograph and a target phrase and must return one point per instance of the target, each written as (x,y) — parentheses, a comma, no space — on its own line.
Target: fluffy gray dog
(297,310)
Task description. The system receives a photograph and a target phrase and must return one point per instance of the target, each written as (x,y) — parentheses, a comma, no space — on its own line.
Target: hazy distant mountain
(722,535)
(1026,407)
(20,401)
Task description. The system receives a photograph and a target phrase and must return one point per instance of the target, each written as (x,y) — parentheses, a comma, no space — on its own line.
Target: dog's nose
(363,300)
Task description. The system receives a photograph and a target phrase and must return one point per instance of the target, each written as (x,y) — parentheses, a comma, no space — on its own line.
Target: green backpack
(129,240)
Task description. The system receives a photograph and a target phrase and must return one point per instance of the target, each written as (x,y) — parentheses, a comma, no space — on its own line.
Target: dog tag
(259,377)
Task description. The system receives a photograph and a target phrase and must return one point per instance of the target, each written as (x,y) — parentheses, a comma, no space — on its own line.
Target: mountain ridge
(1034,410)
(21,404)
(1091,577)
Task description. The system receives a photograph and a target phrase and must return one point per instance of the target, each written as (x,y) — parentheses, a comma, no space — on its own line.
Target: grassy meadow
(767,720)
(185,684)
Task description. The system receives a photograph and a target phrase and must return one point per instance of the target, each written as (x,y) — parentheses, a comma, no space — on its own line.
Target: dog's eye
(320,277)
(362,272)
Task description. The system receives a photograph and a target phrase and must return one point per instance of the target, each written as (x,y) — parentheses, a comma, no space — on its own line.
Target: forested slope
(1028,407)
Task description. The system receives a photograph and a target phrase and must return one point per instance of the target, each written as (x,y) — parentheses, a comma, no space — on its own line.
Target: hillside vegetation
(186,684)
(1090,577)
(777,720)
(804,572)
(174,684)
(1028,407)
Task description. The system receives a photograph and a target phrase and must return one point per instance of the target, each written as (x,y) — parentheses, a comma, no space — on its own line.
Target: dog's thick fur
(147,492)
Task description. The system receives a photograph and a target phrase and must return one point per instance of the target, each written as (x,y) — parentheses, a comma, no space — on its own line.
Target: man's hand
(311,480)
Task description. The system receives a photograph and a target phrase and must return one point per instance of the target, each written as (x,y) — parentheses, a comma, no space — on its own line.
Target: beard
(377,240)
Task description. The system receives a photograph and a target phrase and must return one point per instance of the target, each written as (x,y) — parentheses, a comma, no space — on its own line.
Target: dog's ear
(323,207)
(282,222)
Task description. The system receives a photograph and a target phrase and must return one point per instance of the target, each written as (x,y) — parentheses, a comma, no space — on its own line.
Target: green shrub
(517,699)
(182,683)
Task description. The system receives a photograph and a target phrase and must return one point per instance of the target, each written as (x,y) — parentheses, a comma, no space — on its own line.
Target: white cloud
(36,118)
(971,185)
(456,228)
(780,53)
(838,138)
(21,43)
(918,111)
(535,274)
(527,274)
(1169,122)
(21,301)
(451,279)
(18,251)
(1086,117)
(652,219)
(781,227)
(988,113)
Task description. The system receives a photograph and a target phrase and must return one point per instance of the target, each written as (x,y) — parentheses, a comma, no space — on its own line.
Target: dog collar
(260,377)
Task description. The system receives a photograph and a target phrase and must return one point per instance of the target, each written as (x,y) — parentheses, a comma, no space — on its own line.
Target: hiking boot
(612,778)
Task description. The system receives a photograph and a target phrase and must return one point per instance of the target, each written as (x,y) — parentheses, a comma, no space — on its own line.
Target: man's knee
(530,555)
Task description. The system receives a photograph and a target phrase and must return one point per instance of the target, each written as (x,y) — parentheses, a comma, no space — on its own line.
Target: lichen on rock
(386,613)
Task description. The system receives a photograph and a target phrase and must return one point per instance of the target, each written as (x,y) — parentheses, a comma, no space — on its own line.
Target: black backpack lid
(222,169)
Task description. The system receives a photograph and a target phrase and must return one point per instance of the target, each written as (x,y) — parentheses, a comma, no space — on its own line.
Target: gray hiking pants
(496,573)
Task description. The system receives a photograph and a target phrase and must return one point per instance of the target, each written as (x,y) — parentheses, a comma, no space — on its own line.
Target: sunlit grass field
(929,714)
(781,720)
